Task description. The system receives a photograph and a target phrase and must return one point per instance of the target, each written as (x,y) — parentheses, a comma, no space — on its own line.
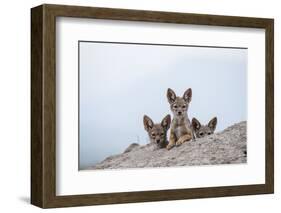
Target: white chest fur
(180,130)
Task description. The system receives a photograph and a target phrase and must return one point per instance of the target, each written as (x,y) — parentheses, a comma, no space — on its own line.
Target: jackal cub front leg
(184,138)
(172,141)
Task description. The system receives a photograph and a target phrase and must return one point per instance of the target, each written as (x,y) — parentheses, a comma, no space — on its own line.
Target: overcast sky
(119,83)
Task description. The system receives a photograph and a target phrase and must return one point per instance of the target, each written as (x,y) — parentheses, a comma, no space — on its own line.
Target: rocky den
(225,147)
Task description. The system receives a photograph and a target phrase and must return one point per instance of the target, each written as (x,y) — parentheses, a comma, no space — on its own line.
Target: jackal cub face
(157,132)
(179,105)
(204,130)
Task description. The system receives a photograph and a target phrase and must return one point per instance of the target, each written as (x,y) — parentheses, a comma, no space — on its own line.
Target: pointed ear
(148,123)
(195,124)
(165,123)
(171,95)
(213,123)
(187,95)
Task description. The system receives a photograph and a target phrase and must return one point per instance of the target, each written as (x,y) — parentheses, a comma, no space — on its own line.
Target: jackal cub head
(179,105)
(203,130)
(157,132)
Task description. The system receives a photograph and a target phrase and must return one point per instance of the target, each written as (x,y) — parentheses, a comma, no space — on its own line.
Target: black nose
(179,113)
(158,140)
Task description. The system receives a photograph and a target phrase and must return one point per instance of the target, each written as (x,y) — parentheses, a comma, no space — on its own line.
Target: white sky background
(119,83)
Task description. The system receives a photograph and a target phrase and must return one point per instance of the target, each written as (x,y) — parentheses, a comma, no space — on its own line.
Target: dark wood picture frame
(43,105)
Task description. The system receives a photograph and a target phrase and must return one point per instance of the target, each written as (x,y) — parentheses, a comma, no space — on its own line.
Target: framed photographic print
(136,106)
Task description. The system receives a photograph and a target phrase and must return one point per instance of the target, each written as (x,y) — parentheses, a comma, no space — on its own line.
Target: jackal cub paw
(169,146)
(180,142)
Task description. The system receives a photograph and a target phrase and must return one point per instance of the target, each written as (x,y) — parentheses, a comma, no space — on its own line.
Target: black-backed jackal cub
(180,128)
(157,132)
(203,130)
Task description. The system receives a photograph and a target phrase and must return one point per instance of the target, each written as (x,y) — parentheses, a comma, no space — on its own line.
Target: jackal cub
(203,130)
(157,132)
(180,128)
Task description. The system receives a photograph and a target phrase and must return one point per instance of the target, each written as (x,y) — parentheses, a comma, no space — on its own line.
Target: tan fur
(180,127)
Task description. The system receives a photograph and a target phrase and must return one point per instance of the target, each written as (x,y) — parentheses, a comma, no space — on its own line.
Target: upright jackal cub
(157,132)
(180,128)
(203,130)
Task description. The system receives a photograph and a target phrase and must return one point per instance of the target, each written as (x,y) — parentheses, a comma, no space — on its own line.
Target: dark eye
(201,133)
(209,133)
(183,106)
(175,106)
(162,134)
(153,134)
